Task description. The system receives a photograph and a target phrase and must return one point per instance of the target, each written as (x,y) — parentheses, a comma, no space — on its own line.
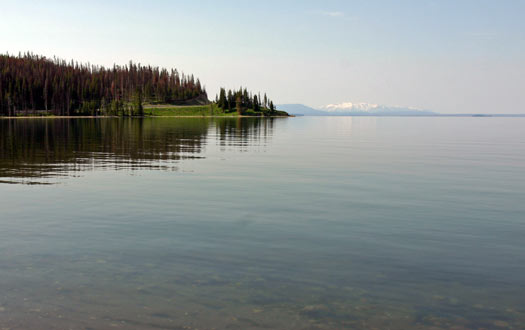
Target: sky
(462,56)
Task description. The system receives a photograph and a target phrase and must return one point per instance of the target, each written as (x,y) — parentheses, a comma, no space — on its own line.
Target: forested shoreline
(36,85)
(31,83)
(242,100)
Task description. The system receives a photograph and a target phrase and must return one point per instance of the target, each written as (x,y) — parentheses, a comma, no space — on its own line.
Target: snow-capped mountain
(370,108)
(353,109)
(349,106)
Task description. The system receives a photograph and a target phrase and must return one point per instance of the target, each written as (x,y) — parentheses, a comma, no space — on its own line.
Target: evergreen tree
(139,108)
(223,102)
(231,101)
(238,103)
(256,106)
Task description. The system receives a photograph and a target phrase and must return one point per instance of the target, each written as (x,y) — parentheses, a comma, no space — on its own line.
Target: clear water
(297,223)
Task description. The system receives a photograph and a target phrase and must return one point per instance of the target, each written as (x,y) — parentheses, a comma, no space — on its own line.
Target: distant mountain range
(353,109)
(301,109)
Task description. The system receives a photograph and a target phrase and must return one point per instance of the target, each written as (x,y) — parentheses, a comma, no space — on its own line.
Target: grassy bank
(167,110)
(185,110)
(201,111)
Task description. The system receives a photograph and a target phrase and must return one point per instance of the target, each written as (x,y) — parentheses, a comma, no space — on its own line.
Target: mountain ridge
(353,109)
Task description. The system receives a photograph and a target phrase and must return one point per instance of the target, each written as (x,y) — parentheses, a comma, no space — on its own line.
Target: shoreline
(134,117)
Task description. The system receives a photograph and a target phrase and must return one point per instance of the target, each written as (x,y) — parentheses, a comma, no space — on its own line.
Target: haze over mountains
(353,109)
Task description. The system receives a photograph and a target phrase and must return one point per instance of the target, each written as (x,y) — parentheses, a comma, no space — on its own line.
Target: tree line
(33,83)
(241,101)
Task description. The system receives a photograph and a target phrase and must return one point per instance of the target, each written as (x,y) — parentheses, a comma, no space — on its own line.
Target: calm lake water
(292,223)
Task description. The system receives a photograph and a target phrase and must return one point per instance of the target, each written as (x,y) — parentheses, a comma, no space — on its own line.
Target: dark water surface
(298,223)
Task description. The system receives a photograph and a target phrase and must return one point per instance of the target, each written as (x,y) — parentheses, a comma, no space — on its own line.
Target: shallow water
(291,223)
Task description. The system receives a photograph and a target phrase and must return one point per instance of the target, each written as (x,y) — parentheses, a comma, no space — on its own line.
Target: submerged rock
(316,311)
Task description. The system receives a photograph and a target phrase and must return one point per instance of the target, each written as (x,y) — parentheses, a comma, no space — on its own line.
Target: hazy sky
(446,56)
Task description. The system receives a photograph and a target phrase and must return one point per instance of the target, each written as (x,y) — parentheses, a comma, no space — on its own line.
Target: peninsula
(32,85)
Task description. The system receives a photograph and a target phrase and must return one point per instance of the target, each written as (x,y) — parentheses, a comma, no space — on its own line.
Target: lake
(284,223)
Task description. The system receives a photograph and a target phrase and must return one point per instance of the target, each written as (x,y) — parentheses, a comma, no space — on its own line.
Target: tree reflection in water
(34,151)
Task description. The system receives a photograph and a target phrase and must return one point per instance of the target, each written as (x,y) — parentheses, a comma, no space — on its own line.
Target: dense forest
(32,84)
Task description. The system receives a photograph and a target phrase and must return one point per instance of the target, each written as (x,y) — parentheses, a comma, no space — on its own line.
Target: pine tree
(222,99)
(256,106)
(231,100)
(238,103)
(139,108)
